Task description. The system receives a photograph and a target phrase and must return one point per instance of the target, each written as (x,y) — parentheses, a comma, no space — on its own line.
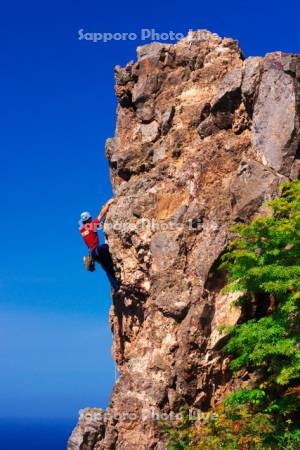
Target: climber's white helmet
(85,216)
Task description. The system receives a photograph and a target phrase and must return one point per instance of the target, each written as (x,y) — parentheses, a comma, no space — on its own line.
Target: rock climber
(98,252)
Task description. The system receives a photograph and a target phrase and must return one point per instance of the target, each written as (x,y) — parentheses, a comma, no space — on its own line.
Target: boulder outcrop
(203,138)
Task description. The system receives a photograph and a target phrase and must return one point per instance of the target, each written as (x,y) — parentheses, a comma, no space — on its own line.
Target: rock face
(88,430)
(203,139)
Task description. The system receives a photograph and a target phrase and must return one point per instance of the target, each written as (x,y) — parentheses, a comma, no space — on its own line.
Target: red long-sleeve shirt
(89,233)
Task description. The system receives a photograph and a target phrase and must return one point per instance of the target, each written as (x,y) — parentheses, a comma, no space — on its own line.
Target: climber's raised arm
(105,209)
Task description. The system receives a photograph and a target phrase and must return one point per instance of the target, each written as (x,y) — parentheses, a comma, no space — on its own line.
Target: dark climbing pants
(103,257)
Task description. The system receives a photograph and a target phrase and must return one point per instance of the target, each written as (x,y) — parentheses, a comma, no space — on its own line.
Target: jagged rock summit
(203,139)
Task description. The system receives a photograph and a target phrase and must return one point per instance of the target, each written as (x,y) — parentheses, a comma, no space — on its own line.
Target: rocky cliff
(203,139)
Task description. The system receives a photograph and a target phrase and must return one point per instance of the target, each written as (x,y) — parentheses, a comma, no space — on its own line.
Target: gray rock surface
(89,429)
(274,116)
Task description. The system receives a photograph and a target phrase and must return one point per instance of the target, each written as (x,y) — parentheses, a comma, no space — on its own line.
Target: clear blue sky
(57,109)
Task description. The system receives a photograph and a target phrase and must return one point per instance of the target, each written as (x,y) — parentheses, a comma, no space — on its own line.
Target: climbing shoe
(89,263)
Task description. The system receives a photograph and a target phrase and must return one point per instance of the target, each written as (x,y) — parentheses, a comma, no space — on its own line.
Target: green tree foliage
(263,264)
(179,434)
(235,427)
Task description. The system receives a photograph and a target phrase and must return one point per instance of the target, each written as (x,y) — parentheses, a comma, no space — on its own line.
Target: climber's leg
(113,281)
(103,257)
